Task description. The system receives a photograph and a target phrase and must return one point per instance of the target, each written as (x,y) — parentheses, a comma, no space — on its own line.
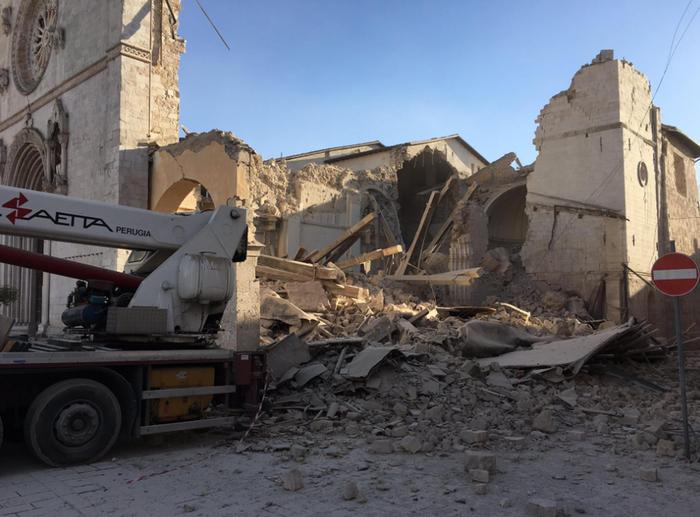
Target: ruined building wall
(576,193)
(610,187)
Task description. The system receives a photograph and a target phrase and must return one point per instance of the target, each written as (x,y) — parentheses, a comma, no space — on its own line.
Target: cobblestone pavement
(196,475)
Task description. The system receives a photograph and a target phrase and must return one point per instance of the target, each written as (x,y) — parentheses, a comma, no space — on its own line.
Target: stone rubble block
(545,422)
(665,448)
(481,460)
(481,489)
(473,437)
(350,491)
(411,444)
(292,481)
(382,447)
(648,474)
(479,475)
(544,508)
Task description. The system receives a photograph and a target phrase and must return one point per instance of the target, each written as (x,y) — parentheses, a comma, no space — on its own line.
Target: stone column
(241,321)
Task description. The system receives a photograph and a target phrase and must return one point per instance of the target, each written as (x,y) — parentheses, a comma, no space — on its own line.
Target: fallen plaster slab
(572,353)
(285,354)
(366,361)
(309,372)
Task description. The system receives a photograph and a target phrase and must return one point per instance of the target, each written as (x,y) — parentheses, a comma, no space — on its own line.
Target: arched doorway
(25,169)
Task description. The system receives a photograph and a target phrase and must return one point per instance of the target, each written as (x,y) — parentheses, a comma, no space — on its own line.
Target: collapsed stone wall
(576,194)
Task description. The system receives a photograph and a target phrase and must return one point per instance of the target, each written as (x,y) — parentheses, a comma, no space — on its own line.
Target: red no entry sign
(675,274)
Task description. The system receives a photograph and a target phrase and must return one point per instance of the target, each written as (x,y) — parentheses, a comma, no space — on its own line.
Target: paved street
(196,475)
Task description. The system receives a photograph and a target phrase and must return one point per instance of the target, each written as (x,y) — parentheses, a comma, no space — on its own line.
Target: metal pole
(681,374)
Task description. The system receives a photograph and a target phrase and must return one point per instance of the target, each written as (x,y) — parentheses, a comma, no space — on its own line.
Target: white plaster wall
(295,164)
(369,161)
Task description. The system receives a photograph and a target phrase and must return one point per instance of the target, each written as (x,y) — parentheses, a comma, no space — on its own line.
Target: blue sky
(308,74)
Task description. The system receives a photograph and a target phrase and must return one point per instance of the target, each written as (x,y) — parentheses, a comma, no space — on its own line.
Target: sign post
(676,275)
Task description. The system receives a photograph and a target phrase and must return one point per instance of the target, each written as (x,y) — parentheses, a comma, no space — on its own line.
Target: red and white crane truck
(137,355)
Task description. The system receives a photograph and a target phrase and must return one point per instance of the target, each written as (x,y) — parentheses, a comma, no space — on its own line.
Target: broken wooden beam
(350,235)
(304,270)
(459,277)
(430,207)
(442,232)
(279,274)
(351,291)
(370,256)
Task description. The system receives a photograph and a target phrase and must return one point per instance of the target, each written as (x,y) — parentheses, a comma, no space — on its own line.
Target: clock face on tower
(35,35)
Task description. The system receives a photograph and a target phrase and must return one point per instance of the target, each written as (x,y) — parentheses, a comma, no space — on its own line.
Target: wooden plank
(350,233)
(310,271)
(460,277)
(440,235)
(370,256)
(279,274)
(351,291)
(449,185)
(340,250)
(443,189)
(430,207)
(300,254)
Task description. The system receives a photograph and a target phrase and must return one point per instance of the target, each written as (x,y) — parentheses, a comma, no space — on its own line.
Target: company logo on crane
(19,211)
(16,205)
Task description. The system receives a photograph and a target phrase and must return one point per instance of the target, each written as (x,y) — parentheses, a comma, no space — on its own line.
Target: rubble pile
(402,374)
(377,359)
(397,399)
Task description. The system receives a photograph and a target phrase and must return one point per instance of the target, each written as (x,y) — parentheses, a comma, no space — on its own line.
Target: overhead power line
(211,22)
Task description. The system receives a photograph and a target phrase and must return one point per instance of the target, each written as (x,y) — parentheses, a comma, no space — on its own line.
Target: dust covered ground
(203,474)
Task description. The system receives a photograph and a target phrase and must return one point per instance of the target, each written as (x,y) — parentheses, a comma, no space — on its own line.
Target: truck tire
(72,421)
(2,432)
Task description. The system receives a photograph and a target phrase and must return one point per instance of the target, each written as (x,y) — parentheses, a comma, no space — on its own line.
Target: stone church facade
(87,87)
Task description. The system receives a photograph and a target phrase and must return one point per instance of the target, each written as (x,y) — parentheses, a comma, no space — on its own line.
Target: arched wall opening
(508,222)
(184,196)
(415,180)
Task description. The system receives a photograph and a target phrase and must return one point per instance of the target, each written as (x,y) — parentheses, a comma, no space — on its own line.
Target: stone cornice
(125,49)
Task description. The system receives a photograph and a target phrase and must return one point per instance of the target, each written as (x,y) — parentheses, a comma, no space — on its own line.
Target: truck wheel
(72,421)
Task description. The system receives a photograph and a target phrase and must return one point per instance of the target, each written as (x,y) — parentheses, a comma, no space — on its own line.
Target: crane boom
(28,213)
(186,274)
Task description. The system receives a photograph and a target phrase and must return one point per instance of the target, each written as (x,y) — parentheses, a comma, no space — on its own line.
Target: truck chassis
(73,405)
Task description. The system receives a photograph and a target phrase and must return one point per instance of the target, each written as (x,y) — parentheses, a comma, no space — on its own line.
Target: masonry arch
(25,168)
(507,221)
(184,196)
